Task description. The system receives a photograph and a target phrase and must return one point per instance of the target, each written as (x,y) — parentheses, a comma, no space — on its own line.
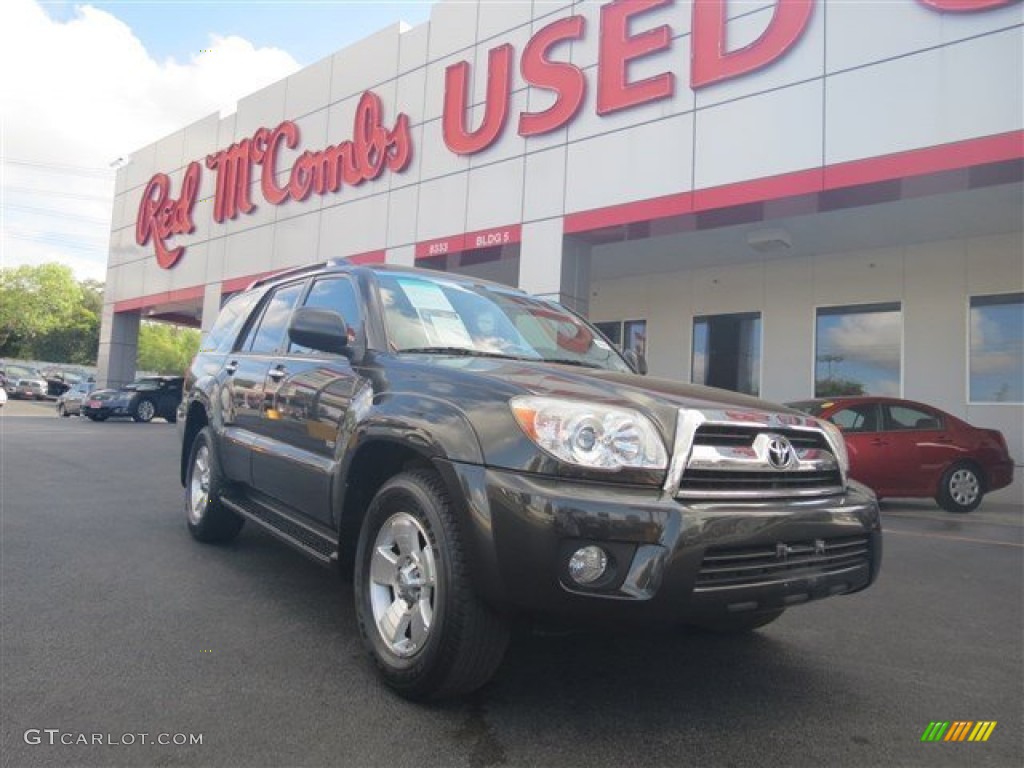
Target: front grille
(709,480)
(730,461)
(780,562)
(725,435)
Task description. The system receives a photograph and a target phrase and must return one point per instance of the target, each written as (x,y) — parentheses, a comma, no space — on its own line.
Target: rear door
(308,394)
(919,448)
(243,376)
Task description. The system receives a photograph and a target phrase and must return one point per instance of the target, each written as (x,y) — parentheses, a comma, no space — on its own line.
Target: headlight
(835,437)
(590,434)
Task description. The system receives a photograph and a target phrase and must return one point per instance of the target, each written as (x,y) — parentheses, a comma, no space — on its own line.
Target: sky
(85,84)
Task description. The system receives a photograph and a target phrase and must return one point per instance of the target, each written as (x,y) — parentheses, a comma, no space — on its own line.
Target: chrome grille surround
(724,454)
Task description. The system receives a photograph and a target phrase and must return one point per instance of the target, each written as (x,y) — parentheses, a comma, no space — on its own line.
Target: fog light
(588,564)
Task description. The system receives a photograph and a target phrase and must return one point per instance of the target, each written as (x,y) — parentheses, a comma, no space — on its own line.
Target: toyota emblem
(780,452)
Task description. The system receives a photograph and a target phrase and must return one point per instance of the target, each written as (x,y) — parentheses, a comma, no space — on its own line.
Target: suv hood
(658,398)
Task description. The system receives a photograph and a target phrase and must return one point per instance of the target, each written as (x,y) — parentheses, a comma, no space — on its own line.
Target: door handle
(944,439)
(276,373)
(231,367)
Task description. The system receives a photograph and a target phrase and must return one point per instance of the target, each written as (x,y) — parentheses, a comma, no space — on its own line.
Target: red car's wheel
(961,489)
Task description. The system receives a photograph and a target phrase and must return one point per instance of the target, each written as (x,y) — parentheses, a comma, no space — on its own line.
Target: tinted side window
(339,294)
(267,335)
(856,418)
(229,322)
(903,417)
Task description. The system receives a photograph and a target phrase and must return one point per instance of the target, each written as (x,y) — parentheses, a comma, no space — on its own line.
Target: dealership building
(783,197)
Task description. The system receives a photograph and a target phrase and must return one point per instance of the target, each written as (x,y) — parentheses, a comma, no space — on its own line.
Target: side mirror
(636,361)
(321,329)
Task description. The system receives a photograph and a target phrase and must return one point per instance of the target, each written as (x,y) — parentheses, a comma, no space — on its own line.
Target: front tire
(960,489)
(208,519)
(428,633)
(144,411)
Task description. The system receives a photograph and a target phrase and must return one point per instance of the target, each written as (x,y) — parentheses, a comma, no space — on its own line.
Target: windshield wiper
(578,363)
(466,352)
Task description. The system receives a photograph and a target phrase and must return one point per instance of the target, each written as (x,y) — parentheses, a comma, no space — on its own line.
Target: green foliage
(166,349)
(831,387)
(46,315)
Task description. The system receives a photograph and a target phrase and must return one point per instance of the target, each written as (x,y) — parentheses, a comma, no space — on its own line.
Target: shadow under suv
(470,454)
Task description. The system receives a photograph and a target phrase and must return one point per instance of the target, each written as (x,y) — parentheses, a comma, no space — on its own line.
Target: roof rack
(336,262)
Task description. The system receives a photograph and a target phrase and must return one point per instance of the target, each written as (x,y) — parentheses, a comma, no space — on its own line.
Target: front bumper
(107,411)
(672,561)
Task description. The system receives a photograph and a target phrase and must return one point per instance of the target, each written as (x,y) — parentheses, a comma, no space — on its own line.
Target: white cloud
(868,337)
(991,351)
(83,93)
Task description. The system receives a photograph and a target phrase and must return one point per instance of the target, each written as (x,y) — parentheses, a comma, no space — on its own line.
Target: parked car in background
(907,449)
(144,400)
(3,397)
(24,382)
(70,403)
(29,389)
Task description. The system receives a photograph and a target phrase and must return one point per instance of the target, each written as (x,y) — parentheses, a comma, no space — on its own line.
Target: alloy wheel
(403,585)
(199,485)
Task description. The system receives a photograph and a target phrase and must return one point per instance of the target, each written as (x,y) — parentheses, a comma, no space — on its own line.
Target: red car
(902,448)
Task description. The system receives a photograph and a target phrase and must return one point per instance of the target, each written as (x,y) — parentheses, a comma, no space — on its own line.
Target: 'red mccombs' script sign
(624,34)
(364,158)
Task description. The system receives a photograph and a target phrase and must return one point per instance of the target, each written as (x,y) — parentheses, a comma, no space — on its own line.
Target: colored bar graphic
(959,730)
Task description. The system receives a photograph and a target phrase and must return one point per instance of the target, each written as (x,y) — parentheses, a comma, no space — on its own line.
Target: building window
(997,348)
(626,334)
(858,350)
(727,352)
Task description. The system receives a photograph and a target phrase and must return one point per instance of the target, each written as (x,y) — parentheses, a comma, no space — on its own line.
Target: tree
(836,387)
(34,301)
(166,349)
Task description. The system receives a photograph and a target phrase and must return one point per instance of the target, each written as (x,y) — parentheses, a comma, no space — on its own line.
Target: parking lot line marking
(957,538)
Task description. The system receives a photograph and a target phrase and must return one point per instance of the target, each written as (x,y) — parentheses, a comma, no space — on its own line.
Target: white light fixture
(769,240)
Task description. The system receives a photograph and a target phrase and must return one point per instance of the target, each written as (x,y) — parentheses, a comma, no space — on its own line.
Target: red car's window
(856,418)
(899,417)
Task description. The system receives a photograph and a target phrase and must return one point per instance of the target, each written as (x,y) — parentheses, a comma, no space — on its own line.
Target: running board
(287,528)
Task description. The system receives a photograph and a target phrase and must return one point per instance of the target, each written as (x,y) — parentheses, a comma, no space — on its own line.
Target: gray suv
(469,455)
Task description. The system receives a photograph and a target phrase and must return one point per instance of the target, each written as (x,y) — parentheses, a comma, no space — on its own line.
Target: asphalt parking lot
(114,622)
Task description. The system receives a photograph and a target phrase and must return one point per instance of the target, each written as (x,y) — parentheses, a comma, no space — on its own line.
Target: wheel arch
(196,419)
(373,462)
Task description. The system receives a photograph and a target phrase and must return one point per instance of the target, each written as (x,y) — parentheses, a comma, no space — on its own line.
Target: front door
(307,394)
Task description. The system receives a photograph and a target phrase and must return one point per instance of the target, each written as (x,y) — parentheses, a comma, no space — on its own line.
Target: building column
(211,306)
(119,347)
(554,266)
(403,256)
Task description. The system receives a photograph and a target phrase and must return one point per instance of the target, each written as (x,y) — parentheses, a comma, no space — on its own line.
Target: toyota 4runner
(469,454)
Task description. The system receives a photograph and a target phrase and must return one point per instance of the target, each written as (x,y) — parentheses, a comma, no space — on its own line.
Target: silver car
(70,403)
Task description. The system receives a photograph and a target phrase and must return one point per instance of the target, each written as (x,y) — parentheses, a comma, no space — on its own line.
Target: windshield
(434,315)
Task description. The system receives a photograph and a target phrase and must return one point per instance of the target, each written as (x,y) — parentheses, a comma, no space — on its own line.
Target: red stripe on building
(918,162)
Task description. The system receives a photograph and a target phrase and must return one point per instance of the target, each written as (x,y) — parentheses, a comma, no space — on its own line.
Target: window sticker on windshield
(425,296)
(443,326)
(446,329)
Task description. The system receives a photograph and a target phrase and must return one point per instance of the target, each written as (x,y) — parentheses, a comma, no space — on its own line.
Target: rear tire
(733,625)
(208,519)
(144,411)
(961,489)
(428,633)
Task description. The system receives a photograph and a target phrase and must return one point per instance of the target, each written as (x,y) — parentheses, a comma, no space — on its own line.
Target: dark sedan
(144,400)
(903,448)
